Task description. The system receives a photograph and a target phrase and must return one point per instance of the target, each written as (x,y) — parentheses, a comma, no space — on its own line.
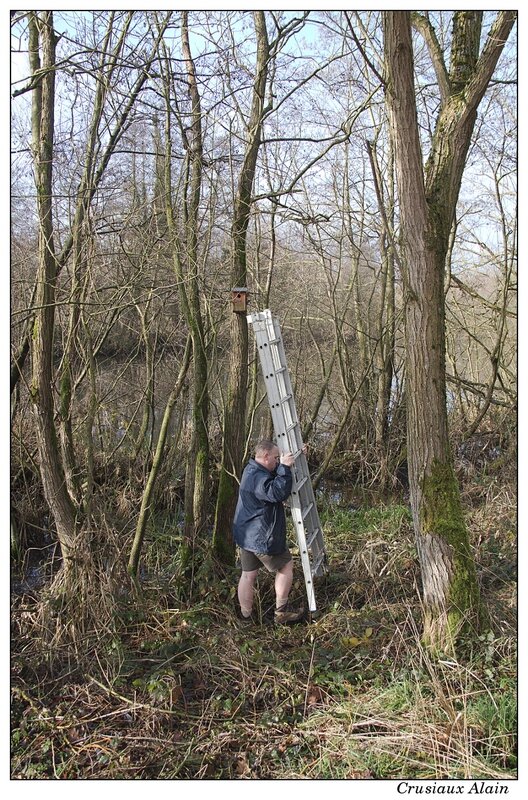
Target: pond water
(351,497)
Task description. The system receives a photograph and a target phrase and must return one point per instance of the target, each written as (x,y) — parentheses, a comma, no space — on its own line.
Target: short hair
(264,446)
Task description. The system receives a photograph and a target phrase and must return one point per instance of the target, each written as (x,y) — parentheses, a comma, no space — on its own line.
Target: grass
(183,690)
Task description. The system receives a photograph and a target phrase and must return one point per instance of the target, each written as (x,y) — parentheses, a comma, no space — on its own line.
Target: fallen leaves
(355,641)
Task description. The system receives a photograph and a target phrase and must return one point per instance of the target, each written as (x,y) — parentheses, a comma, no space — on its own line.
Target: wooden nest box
(239,299)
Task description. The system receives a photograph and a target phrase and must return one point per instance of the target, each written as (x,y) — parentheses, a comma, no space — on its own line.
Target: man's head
(267,454)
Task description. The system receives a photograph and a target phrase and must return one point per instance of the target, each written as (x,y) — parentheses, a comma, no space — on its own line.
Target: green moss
(442,516)
(441,507)
(225,490)
(34,393)
(224,551)
(223,546)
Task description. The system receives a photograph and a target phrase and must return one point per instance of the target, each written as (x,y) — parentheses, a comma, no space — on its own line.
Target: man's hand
(288,459)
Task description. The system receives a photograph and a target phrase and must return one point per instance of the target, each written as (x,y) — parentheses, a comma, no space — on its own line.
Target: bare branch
(423,25)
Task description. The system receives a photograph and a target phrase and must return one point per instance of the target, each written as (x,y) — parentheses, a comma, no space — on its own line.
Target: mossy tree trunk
(234,420)
(428,201)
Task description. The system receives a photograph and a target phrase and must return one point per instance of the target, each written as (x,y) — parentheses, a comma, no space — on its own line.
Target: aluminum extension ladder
(288,436)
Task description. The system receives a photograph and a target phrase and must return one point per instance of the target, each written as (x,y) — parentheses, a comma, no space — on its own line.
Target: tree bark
(427,206)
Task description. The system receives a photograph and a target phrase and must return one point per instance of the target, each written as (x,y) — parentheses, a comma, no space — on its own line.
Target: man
(259,529)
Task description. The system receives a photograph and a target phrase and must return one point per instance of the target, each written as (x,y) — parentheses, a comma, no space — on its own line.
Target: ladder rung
(318,563)
(301,483)
(291,427)
(286,399)
(313,537)
(305,513)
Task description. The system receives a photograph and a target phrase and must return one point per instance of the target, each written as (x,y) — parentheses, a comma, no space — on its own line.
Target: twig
(312,638)
(133,703)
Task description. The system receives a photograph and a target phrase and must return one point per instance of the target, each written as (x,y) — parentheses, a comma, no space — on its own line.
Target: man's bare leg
(283,584)
(246,591)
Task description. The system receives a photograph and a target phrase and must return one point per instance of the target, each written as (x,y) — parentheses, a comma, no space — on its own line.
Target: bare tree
(62,505)
(235,410)
(427,206)
(184,241)
(67,482)
(259,177)
(95,169)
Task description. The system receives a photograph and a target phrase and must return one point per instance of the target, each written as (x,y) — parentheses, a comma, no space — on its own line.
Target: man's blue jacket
(259,523)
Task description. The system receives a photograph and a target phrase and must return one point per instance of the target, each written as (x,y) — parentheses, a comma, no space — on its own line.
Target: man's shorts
(251,561)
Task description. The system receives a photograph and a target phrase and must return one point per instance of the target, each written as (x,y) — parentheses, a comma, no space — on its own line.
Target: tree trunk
(57,496)
(235,409)
(73,583)
(427,207)
(200,490)
(73,362)
(186,267)
(386,325)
